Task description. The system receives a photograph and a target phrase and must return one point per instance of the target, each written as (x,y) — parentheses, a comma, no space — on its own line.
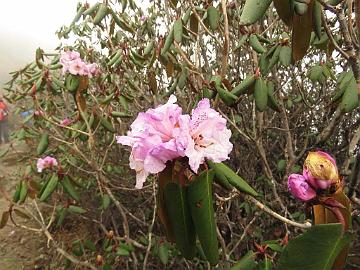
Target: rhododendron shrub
(191,129)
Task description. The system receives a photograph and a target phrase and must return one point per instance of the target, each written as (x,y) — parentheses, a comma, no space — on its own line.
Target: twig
(243,235)
(328,130)
(224,65)
(276,215)
(331,37)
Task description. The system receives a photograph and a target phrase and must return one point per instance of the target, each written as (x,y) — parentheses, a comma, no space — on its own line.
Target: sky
(28,24)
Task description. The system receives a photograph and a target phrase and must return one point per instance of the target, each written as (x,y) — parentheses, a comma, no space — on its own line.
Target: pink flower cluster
(44,163)
(164,133)
(73,64)
(65,122)
(319,172)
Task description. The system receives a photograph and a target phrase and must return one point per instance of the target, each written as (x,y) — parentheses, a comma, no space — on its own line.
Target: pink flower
(73,64)
(92,69)
(153,140)
(320,170)
(77,67)
(68,56)
(164,134)
(143,18)
(38,113)
(299,188)
(65,122)
(208,136)
(44,163)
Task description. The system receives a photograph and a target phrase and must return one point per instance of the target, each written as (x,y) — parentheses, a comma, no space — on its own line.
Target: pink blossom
(68,56)
(65,122)
(44,163)
(153,140)
(38,113)
(77,67)
(92,69)
(164,134)
(73,64)
(320,170)
(143,18)
(208,136)
(299,188)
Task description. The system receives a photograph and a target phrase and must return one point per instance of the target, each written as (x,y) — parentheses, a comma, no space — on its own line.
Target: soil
(19,248)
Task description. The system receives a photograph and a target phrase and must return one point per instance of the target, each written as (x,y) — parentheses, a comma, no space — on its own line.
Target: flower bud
(320,170)
(299,188)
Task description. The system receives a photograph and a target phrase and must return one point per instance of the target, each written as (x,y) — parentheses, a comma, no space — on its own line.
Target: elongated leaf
(180,219)
(302,28)
(235,180)
(316,249)
(202,213)
(253,11)
(285,10)
(4,219)
(163,253)
(165,177)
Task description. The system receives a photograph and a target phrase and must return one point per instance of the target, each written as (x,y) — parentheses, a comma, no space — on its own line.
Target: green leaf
(213,17)
(285,56)
(178,30)
(246,263)
(265,264)
(122,252)
(234,179)
(202,213)
(163,253)
(350,98)
(315,73)
(43,144)
(253,11)
(69,188)
(105,201)
(281,165)
(90,245)
(179,215)
(316,249)
(77,209)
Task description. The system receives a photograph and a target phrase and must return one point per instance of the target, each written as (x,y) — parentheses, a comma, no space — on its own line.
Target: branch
(276,215)
(224,65)
(328,131)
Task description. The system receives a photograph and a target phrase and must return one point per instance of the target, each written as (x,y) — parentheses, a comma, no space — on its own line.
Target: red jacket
(3,111)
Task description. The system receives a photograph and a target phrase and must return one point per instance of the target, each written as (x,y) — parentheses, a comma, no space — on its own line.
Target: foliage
(284,74)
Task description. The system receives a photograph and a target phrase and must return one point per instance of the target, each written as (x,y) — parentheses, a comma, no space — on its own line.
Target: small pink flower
(77,67)
(68,56)
(44,163)
(65,122)
(38,113)
(73,64)
(320,170)
(299,188)
(143,18)
(92,69)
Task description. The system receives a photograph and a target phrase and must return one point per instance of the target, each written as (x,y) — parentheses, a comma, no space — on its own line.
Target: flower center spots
(202,117)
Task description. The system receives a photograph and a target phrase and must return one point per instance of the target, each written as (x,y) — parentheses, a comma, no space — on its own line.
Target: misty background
(27,25)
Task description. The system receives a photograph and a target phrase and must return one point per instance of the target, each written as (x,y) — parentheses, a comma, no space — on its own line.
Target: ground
(19,249)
